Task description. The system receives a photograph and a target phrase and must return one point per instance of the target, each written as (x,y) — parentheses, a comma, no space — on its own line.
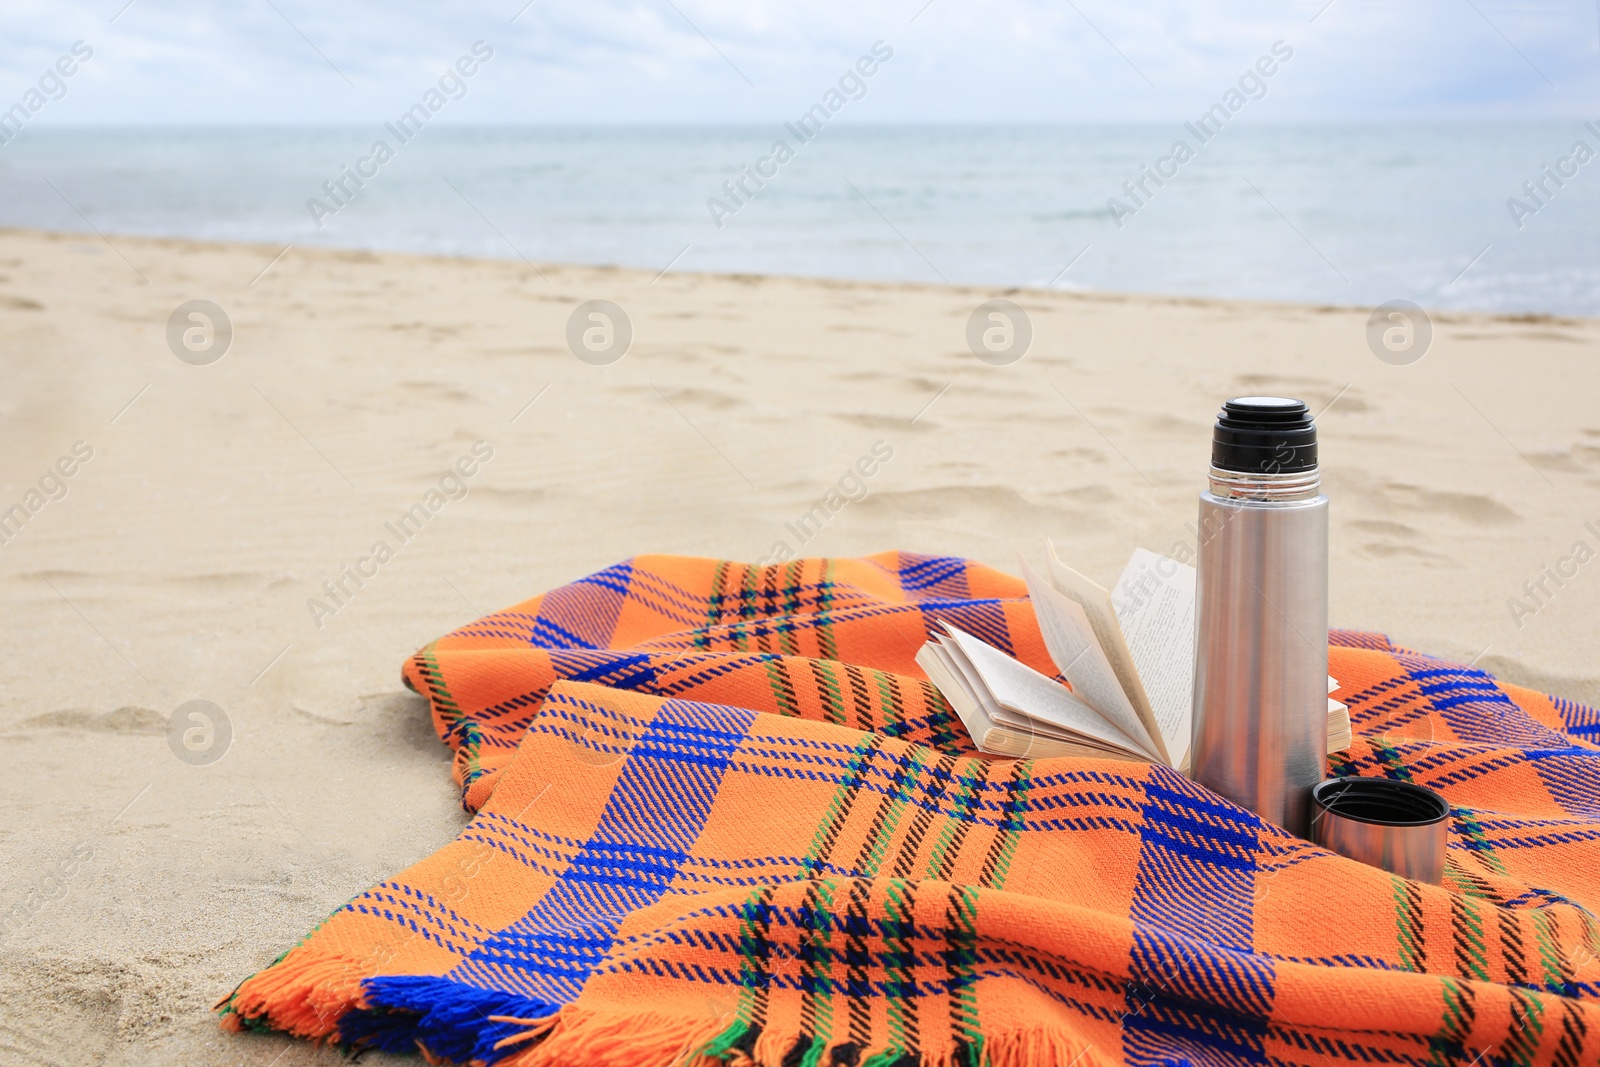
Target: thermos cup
(1399,826)
(1261,613)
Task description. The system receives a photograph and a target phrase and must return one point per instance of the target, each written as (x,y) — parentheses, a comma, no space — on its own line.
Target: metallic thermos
(1261,614)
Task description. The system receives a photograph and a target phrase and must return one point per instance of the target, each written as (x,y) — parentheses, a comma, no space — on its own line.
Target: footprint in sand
(128,719)
(1475,509)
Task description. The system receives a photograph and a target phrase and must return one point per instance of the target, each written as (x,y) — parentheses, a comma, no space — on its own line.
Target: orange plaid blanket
(721,817)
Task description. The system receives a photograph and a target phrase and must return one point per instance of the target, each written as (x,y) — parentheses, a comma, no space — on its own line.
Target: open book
(1127,654)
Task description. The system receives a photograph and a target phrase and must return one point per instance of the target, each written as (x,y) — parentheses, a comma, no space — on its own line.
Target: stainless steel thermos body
(1261,614)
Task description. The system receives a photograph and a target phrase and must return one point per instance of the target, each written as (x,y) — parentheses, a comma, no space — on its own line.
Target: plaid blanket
(721,817)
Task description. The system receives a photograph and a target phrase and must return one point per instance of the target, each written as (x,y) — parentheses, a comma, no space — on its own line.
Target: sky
(747,61)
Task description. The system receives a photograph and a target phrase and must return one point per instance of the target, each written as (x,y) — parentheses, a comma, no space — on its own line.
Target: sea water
(1449,215)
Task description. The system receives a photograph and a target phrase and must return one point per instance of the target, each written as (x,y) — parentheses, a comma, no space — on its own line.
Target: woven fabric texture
(720,816)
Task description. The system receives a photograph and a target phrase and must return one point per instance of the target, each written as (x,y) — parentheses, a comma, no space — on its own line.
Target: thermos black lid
(1264,435)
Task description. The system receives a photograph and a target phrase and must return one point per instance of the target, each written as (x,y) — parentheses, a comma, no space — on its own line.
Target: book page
(1102,620)
(1339,735)
(1154,604)
(1070,638)
(1019,688)
(955,689)
(991,737)
(992,728)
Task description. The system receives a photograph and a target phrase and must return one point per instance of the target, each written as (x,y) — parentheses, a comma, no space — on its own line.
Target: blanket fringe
(305,994)
(607,1037)
(1025,1048)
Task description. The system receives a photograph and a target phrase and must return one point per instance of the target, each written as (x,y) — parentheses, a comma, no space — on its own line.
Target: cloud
(694,61)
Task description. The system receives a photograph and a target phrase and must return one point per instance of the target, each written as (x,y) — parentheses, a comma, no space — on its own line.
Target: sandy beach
(209,507)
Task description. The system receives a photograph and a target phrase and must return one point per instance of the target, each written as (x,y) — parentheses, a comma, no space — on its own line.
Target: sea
(1499,216)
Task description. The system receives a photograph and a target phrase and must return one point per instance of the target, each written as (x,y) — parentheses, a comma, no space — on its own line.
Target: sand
(219,498)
